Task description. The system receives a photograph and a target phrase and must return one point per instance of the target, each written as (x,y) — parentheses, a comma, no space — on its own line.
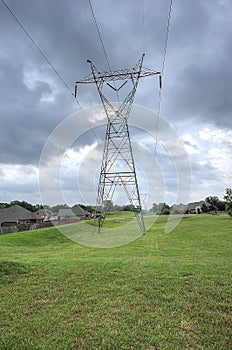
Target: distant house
(195,207)
(66,214)
(16,215)
(80,212)
(191,208)
(179,208)
(76,212)
(43,214)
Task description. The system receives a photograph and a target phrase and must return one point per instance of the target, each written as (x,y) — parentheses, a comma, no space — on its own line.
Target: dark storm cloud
(205,94)
(27,120)
(199,71)
(197,80)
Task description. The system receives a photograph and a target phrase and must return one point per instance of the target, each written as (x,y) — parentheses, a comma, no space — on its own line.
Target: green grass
(161,291)
(116,219)
(118,229)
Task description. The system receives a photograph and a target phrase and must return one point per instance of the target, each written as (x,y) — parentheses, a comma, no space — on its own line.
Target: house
(80,212)
(195,207)
(190,208)
(179,208)
(76,212)
(43,214)
(66,214)
(16,215)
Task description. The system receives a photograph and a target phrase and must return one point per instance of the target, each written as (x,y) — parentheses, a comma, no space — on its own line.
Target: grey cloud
(199,64)
(197,76)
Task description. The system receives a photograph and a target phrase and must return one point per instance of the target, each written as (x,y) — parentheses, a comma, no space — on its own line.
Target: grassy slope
(162,291)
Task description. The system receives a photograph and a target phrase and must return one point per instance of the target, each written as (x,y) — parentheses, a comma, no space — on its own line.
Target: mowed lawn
(162,291)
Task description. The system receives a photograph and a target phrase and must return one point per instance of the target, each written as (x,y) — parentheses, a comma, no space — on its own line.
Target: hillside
(161,291)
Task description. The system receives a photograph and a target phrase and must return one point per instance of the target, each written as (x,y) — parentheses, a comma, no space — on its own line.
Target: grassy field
(161,291)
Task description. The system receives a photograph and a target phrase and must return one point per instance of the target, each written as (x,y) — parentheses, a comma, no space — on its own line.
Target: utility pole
(118,166)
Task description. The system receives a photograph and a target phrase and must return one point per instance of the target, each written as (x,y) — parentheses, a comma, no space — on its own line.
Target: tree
(221,206)
(165,209)
(154,208)
(108,206)
(4,205)
(26,205)
(117,207)
(228,199)
(228,195)
(213,202)
(204,208)
(160,209)
(89,208)
(130,207)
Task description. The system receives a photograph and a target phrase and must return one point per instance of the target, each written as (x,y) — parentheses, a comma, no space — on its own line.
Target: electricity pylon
(118,166)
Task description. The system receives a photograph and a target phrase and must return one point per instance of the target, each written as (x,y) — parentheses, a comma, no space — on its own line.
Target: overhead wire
(162,74)
(106,57)
(102,43)
(49,63)
(172,261)
(143,23)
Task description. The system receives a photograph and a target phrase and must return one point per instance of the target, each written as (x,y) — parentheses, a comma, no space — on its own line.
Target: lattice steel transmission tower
(118,167)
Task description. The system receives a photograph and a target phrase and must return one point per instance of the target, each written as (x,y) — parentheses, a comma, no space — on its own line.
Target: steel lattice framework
(118,166)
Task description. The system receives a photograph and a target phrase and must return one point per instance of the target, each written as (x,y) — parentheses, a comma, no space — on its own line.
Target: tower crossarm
(123,74)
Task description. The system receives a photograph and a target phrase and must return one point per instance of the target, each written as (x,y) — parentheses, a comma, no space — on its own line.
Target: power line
(166,37)
(143,20)
(106,57)
(47,60)
(99,34)
(162,73)
(36,46)
(102,43)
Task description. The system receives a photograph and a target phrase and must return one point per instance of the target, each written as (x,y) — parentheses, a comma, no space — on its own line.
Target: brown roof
(66,213)
(75,211)
(15,213)
(78,211)
(194,205)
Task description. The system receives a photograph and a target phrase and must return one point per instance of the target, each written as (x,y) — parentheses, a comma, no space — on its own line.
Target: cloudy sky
(35,104)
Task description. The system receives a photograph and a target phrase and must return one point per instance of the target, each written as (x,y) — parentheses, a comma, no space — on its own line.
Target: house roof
(180,207)
(79,211)
(42,213)
(66,213)
(190,206)
(15,213)
(195,205)
(76,210)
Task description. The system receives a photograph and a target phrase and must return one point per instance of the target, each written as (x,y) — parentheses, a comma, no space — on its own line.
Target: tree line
(212,204)
(23,204)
